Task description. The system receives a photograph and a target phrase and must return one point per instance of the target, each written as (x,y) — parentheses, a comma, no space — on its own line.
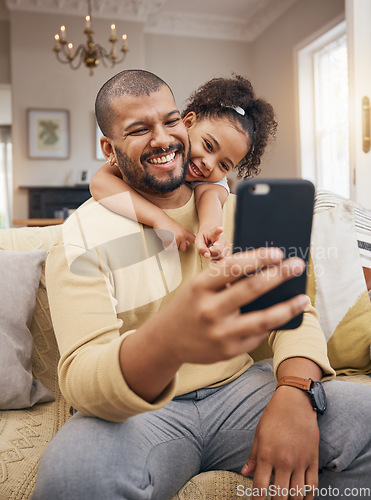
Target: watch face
(319,397)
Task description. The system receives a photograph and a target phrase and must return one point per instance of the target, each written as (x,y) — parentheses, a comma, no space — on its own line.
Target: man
(156,351)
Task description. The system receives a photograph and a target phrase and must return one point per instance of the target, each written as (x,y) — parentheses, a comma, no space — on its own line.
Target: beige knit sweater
(105,277)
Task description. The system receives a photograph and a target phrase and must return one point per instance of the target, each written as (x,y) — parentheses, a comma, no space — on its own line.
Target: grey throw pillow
(19,281)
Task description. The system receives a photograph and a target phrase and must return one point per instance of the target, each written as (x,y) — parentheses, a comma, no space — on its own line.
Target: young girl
(218,115)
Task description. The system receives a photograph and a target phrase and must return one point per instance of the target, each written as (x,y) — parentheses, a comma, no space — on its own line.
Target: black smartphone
(276,213)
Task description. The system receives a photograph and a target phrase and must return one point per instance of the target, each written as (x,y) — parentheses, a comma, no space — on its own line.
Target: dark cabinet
(55,202)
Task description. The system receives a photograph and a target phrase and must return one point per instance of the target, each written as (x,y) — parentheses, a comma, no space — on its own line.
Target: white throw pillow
(336,284)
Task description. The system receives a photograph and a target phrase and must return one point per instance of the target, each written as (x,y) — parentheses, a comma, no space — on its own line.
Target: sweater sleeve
(87,330)
(307,341)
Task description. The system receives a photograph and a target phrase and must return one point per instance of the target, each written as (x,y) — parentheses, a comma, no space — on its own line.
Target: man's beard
(140,179)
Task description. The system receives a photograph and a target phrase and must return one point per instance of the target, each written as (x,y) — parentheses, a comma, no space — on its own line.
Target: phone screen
(276,213)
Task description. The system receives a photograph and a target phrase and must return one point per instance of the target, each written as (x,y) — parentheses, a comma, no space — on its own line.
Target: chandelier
(91,54)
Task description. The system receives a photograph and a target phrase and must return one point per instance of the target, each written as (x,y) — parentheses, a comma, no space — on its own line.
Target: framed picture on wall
(98,150)
(48,133)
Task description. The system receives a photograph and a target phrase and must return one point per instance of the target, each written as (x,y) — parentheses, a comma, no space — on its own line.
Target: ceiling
(242,20)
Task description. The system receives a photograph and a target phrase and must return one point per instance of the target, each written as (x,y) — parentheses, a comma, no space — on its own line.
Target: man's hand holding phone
(203,322)
(208,308)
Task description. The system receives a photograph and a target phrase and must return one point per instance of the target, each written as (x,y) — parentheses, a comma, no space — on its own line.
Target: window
(323,111)
(5,175)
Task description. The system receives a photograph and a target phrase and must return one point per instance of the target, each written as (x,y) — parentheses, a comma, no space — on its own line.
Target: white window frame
(304,90)
(6,176)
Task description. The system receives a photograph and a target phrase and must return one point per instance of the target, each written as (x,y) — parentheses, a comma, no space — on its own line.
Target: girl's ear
(190,119)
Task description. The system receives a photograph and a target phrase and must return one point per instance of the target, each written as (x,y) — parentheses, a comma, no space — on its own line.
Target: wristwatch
(314,390)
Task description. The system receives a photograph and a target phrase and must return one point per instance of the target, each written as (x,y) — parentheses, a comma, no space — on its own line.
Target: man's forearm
(146,363)
(299,367)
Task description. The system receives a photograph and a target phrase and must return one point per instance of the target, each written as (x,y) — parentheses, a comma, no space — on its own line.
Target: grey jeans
(152,455)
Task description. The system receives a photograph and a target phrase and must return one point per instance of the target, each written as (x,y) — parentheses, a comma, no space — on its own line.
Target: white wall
(185,63)
(274,75)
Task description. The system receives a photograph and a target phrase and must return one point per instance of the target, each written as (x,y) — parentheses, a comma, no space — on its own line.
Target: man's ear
(190,119)
(107,148)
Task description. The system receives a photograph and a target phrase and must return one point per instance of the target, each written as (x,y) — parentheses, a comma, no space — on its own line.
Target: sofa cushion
(337,286)
(326,200)
(46,354)
(19,275)
(217,485)
(24,434)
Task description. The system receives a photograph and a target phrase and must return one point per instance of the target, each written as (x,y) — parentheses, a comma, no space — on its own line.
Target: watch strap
(301,383)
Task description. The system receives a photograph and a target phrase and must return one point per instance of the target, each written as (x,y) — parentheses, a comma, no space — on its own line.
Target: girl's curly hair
(234,98)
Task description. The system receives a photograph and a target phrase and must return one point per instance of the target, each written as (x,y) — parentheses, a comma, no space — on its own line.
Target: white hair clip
(237,109)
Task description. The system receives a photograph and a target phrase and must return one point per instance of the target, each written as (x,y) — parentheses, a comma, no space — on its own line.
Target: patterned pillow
(336,284)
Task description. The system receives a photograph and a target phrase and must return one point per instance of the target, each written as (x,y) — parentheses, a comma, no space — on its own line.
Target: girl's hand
(221,248)
(212,242)
(172,233)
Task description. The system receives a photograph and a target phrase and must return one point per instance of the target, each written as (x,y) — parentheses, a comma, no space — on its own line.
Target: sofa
(24,433)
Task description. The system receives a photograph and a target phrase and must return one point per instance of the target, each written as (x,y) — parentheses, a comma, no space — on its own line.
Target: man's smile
(163,159)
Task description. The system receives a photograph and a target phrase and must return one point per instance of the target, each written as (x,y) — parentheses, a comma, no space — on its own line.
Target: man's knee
(74,462)
(67,471)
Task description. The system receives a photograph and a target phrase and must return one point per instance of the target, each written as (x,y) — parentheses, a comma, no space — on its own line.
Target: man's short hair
(133,82)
